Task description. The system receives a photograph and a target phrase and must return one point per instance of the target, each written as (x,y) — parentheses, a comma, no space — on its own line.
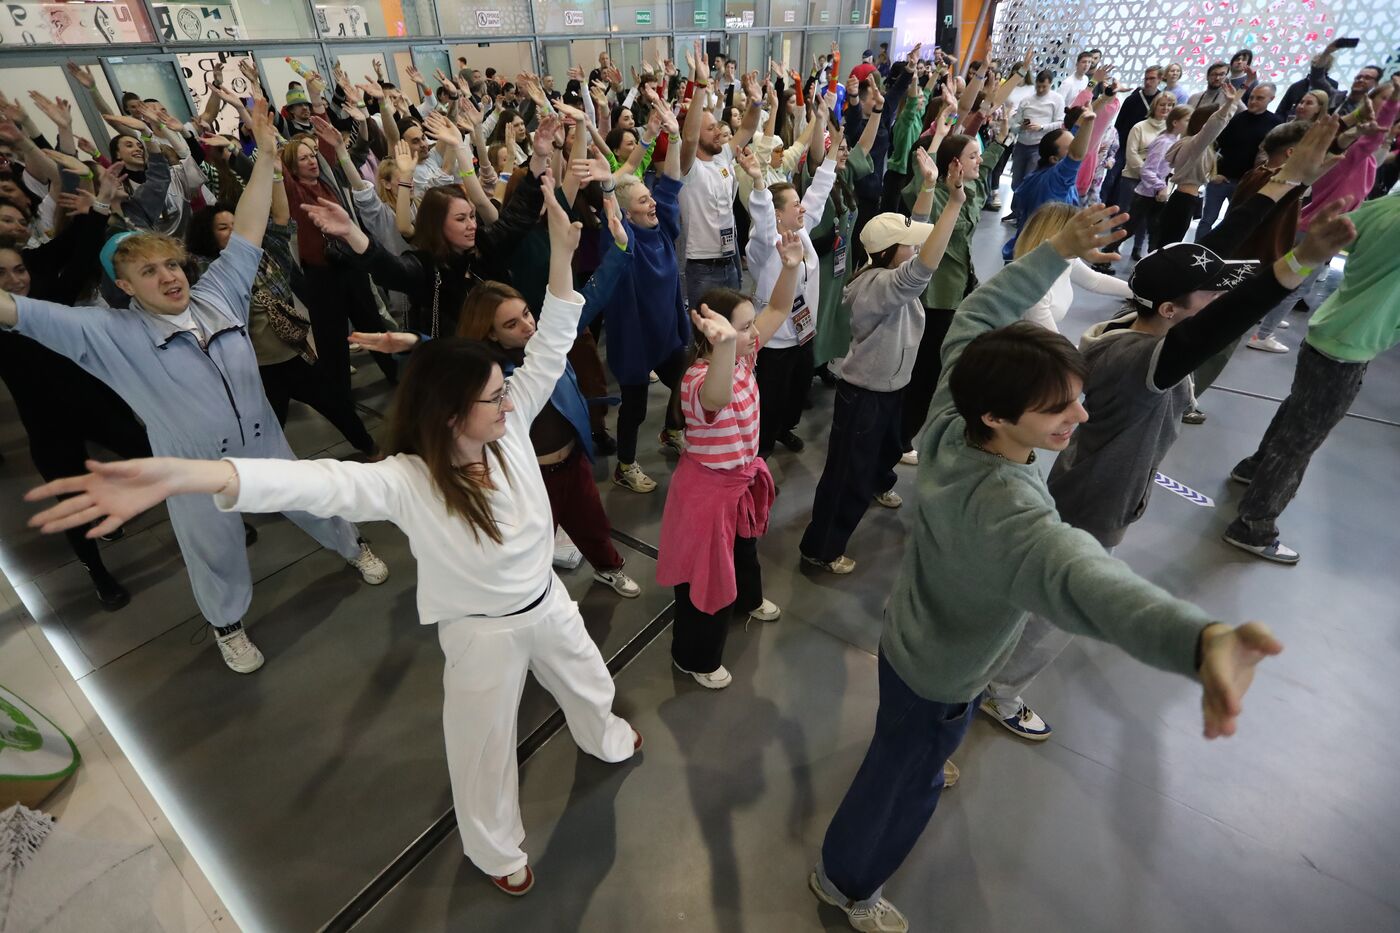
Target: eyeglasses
(499,399)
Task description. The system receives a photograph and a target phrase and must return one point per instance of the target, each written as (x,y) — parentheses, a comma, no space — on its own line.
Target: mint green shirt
(1361,319)
(988,546)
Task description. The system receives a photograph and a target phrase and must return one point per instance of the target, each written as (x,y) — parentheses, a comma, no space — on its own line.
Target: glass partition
(853,42)
(52,82)
(73,23)
(508,58)
(785,48)
(152,78)
(566,16)
(744,14)
(639,16)
(698,14)
(823,13)
(348,19)
(787,14)
(231,19)
(197,68)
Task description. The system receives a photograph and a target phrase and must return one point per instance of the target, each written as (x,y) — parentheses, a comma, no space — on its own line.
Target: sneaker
(910,458)
(1242,474)
(791,441)
(841,565)
(993,204)
(1277,552)
(619,581)
(630,476)
(1194,416)
(767,611)
(653,378)
(516,883)
(1009,219)
(1022,720)
(372,570)
(950,775)
(880,917)
(240,654)
(604,444)
(567,556)
(636,741)
(889,499)
(1267,344)
(673,440)
(717,679)
(111,594)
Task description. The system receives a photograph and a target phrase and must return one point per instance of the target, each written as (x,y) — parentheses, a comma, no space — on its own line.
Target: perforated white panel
(1282,34)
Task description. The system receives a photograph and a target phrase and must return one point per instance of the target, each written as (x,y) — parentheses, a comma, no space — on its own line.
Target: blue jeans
(1023,159)
(1217,193)
(894,792)
(703,275)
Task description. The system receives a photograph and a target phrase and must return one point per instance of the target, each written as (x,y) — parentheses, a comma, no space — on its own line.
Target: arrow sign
(1185,492)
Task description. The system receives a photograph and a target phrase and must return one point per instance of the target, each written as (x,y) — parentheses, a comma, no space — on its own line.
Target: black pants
(341,300)
(994,179)
(928,366)
(297,379)
(866,208)
(1144,225)
(1175,218)
(58,446)
(892,194)
(860,458)
(784,375)
(633,410)
(697,638)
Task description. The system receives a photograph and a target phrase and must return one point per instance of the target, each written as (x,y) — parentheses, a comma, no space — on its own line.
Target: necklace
(976,446)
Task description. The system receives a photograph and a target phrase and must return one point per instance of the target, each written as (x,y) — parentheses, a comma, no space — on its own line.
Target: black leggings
(297,379)
(1175,217)
(341,298)
(1144,224)
(634,406)
(928,366)
(697,638)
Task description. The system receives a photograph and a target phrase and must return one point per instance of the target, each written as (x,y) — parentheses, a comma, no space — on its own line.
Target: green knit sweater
(988,546)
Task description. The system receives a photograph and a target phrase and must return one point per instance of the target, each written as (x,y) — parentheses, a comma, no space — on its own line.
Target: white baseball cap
(892,229)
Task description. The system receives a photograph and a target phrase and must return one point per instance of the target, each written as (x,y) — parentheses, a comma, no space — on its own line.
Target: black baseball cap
(1182,268)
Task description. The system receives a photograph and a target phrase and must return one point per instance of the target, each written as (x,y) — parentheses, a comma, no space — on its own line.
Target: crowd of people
(501,245)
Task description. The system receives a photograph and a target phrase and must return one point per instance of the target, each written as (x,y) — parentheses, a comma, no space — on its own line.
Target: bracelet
(276,178)
(233,475)
(607,190)
(1291,182)
(877,109)
(701,83)
(1296,267)
(673,137)
(405,184)
(927,188)
(466,174)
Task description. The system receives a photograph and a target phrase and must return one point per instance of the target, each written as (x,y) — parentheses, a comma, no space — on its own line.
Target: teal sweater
(988,546)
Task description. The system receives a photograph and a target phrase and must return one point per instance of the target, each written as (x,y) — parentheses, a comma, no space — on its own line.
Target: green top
(1361,319)
(989,547)
(833,315)
(951,279)
(907,124)
(616,163)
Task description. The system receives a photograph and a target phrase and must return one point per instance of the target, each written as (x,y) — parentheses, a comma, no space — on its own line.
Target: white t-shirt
(1071,86)
(707,207)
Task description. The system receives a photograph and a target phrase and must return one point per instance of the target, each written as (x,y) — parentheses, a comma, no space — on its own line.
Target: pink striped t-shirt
(728,438)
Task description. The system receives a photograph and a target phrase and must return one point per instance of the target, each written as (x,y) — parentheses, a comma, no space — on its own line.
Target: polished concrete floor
(297,786)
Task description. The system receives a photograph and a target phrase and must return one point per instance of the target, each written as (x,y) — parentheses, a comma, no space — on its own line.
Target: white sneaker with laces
(910,458)
(1267,344)
(767,611)
(567,556)
(630,476)
(717,679)
(1017,718)
(880,917)
(889,499)
(240,654)
(619,581)
(371,569)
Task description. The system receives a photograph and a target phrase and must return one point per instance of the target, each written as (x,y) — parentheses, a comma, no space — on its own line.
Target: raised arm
(779,305)
(250,219)
(866,142)
(83,75)
(752,116)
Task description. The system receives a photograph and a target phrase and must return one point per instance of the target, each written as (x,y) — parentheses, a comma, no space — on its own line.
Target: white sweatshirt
(458,575)
(766,264)
(1050,310)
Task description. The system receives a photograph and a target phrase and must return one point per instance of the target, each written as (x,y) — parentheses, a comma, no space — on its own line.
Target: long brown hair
(478,315)
(445,378)
(427,225)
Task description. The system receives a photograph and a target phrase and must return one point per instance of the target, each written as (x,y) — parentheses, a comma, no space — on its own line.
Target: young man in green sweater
(988,547)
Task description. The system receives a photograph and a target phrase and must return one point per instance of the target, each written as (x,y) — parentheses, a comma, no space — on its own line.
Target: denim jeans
(1217,193)
(1023,159)
(1323,389)
(701,276)
(895,791)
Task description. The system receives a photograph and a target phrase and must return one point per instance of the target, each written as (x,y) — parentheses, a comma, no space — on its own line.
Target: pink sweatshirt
(1354,176)
(1102,124)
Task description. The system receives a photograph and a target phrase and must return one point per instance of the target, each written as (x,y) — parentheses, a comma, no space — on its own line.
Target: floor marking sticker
(1185,492)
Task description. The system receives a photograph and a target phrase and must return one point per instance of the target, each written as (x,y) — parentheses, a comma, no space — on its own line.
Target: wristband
(404,184)
(673,137)
(276,177)
(607,190)
(468,173)
(1296,267)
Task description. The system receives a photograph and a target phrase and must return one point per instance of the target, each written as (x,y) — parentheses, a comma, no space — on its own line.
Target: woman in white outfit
(1049,220)
(473,504)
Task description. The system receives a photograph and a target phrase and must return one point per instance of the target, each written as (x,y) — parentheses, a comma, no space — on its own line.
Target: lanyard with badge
(726,234)
(804,323)
(838,256)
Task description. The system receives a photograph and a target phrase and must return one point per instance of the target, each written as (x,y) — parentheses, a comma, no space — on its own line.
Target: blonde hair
(143,246)
(624,186)
(1324,102)
(1049,220)
(384,181)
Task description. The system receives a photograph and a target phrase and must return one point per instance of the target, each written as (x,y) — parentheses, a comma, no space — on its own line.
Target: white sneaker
(619,581)
(372,570)
(767,611)
(889,499)
(910,458)
(566,554)
(1267,344)
(630,476)
(717,679)
(240,654)
(881,917)
(1017,718)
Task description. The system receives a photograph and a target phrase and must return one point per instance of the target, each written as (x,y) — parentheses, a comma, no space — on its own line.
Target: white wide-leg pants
(482,684)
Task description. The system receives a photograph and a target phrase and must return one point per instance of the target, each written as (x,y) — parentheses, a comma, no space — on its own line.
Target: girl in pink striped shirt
(717,506)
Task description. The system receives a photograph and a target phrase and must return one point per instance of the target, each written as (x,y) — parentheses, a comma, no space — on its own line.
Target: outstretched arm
(250,220)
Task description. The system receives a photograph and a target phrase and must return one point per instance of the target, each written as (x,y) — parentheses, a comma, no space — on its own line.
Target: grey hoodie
(1102,480)
(887,323)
